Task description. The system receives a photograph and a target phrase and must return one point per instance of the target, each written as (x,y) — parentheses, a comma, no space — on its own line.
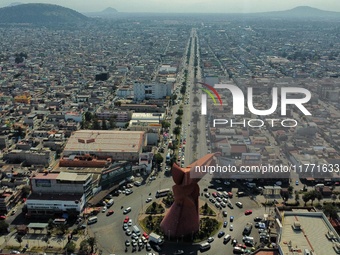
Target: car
(230,194)
(134,243)
(231,227)
(234,242)
(220,234)
(210,239)
(231,218)
(148,247)
(110,212)
(296,182)
(256,225)
(152,178)
(241,245)
(130,222)
(126,220)
(134,236)
(207,195)
(144,239)
(239,204)
(178,252)
(157,248)
(230,205)
(146,235)
(219,188)
(226,183)
(257,219)
(248,212)
(225,213)
(104,209)
(13,211)
(128,232)
(225,224)
(125,226)
(15,252)
(128,192)
(127,243)
(140,242)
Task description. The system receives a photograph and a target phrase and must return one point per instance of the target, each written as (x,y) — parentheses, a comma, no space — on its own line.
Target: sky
(189,6)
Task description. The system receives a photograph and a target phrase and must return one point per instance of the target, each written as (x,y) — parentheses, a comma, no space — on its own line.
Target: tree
(70,247)
(178,121)
(165,124)
(84,247)
(177,131)
(290,189)
(334,197)
(92,242)
(26,190)
(330,211)
(95,124)
(313,195)
(3,226)
(297,197)
(179,112)
(88,116)
(104,126)
(112,123)
(158,158)
(306,198)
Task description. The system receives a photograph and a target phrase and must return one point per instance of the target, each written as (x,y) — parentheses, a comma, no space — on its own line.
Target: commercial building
(307,233)
(54,193)
(118,145)
(144,91)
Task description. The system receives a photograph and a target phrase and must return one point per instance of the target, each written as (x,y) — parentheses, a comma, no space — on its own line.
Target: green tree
(95,124)
(165,124)
(297,197)
(84,247)
(3,226)
(112,123)
(178,121)
(306,198)
(70,247)
(158,158)
(26,190)
(104,126)
(177,131)
(290,189)
(88,116)
(92,242)
(330,211)
(179,112)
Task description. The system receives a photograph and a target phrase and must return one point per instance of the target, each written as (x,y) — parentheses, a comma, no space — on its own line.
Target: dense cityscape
(114,133)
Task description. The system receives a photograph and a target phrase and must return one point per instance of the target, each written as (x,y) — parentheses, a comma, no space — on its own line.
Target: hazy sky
(201,6)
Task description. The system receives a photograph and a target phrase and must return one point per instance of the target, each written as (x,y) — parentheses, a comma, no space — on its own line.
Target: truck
(156,239)
(247,229)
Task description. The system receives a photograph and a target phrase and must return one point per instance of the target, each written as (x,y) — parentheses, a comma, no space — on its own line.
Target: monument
(183,216)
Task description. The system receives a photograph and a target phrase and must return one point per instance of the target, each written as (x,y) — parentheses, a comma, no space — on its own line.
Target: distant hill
(14,4)
(107,13)
(42,14)
(303,12)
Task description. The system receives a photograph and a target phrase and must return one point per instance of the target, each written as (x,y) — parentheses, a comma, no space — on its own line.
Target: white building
(151,91)
(59,193)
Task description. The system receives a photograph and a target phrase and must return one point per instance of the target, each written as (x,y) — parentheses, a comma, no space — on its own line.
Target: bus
(162,193)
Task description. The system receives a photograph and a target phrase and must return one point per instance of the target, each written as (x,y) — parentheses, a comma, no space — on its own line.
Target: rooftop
(312,236)
(105,141)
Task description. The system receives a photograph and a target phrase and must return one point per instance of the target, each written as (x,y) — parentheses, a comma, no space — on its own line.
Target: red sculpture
(183,216)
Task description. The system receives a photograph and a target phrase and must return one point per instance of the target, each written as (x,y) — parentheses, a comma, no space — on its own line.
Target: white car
(125,226)
(130,222)
(231,227)
(104,209)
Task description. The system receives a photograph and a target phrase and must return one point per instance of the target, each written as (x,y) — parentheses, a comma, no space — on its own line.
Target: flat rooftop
(107,141)
(312,236)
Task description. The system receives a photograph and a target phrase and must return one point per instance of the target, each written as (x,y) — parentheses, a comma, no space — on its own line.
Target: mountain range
(46,14)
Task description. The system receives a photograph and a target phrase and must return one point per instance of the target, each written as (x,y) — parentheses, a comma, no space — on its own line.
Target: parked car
(225,224)
(110,212)
(210,239)
(248,212)
(220,234)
